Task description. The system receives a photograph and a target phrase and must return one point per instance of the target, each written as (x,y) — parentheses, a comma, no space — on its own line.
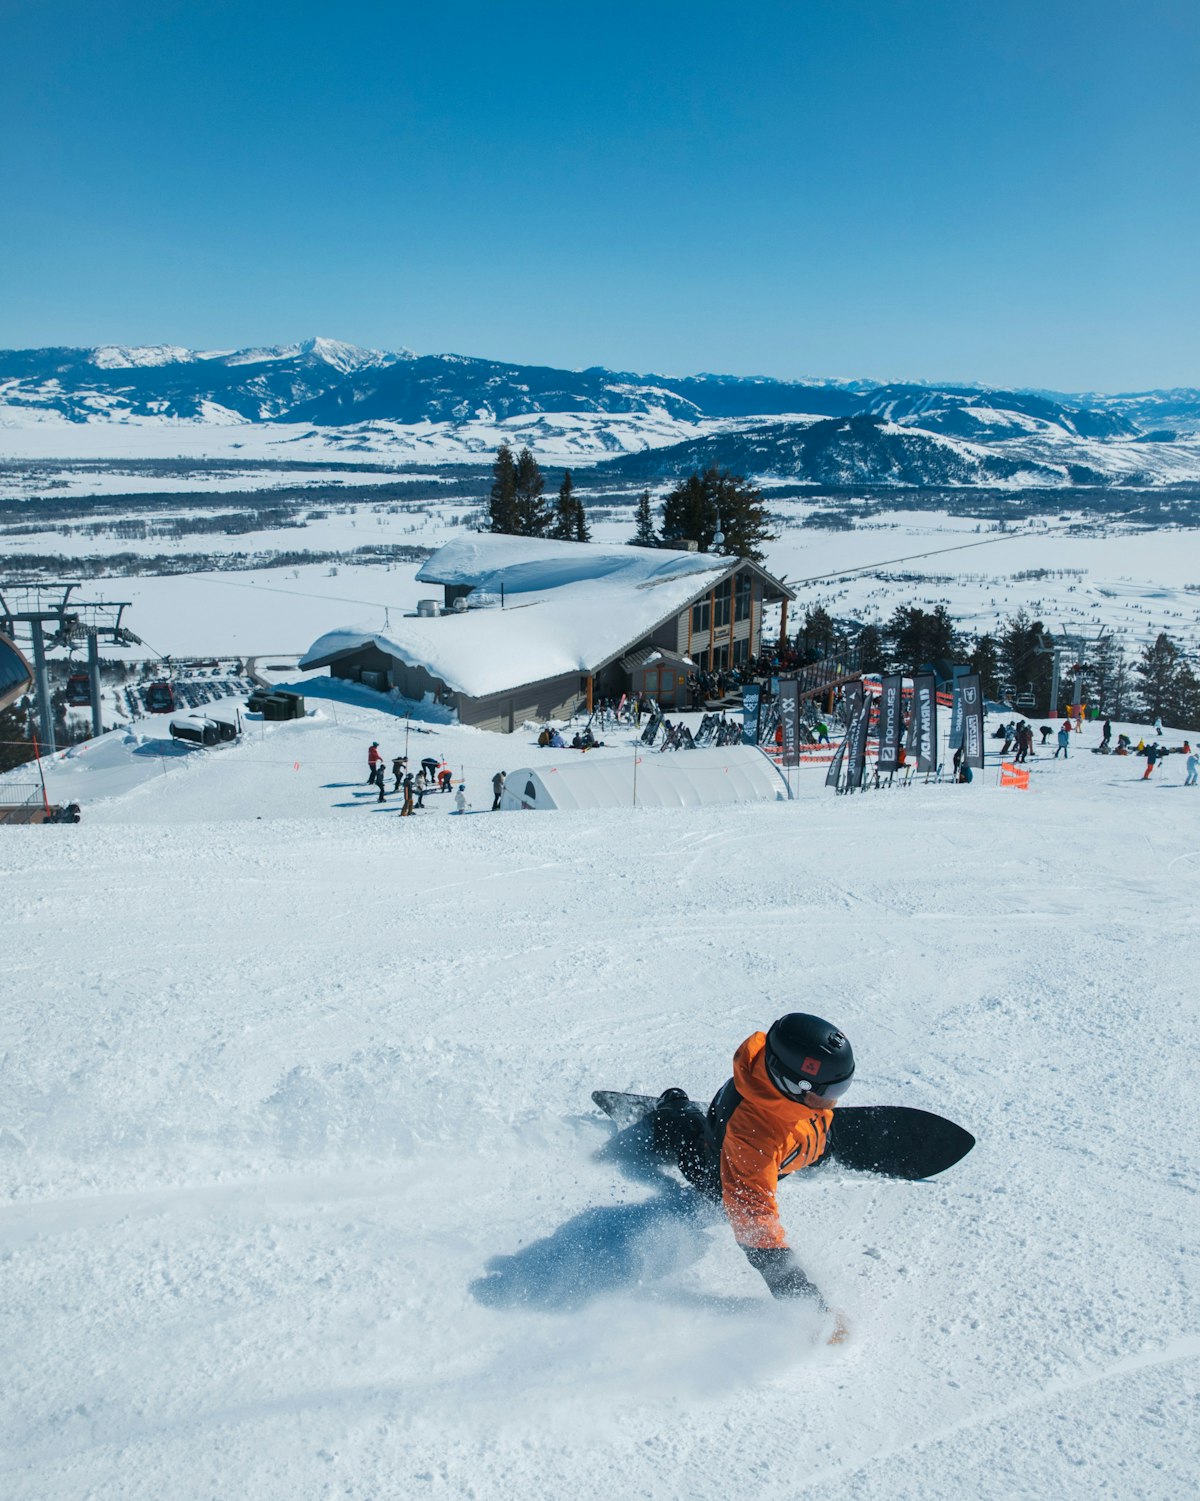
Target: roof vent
(428,607)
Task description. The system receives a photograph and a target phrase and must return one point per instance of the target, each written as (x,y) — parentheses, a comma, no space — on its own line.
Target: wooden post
(783,621)
(590,686)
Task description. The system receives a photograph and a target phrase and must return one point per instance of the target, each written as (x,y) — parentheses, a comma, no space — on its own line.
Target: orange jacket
(767,1137)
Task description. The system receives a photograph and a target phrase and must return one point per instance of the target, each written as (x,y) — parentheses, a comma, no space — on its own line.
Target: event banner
(956,708)
(751,698)
(789,719)
(835,766)
(923,727)
(972,696)
(857,737)
(852,695)
(891,723)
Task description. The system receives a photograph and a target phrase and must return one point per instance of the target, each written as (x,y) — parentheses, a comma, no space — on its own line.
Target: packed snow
(305,1196)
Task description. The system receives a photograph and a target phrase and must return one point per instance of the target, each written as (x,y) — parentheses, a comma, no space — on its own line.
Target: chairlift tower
(1074,648)
(40,607)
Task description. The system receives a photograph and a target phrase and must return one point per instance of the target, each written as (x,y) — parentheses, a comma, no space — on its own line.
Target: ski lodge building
(532,629)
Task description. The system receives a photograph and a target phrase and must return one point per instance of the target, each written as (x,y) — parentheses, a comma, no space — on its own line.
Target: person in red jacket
(374,766)
(771,1119)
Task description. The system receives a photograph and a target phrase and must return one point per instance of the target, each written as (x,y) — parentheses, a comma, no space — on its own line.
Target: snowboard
(896,1141)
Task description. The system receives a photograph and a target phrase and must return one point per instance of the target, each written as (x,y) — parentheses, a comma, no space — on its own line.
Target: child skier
(769,1120)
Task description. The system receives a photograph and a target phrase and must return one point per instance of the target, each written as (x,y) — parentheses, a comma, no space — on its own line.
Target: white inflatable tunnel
(671,779)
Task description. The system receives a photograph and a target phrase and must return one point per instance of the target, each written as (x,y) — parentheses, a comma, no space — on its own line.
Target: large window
(702,614)
(741,651)
(724,594)
(743,595)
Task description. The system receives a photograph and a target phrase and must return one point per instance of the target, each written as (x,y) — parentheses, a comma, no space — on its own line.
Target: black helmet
(807,1055)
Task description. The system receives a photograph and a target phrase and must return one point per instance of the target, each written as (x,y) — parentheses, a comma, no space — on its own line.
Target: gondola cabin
(160,698)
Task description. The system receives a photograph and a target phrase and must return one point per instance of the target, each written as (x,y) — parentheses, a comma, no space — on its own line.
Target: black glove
(783,1274)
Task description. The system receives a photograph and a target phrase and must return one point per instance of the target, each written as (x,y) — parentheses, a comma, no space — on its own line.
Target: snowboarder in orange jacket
(770,1119)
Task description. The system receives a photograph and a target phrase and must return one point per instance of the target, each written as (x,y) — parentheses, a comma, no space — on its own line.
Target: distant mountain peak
(348,357)
(127,357)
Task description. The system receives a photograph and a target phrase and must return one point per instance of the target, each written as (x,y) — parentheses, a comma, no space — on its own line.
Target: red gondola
(160,698)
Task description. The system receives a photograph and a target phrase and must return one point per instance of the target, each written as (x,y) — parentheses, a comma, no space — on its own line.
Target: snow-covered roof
(568,607)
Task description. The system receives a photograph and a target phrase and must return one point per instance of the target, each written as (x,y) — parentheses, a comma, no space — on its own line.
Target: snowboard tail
(896,1141)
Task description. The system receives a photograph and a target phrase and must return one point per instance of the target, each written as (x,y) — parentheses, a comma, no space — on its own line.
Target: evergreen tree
(921,636)
(691,512)
(533,515)
(1104,676)
(502,503)
(563,529)
(872,657)
(985,660)
(1157,669)
(645,535)
(16,747)
(1025,665)
(816,637)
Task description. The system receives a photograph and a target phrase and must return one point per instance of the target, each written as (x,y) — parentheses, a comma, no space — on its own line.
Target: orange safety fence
(1013,776)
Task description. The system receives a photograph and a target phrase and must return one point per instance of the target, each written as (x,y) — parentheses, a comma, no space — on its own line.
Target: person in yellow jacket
(770,1119)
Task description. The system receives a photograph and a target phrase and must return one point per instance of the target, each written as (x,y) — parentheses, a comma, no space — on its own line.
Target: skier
(1064,742)
(1193,762)
(1045,733)
(497,789)
(406,810)
(460,798)
(1158,727)
(822,730)
(1107,735)
(445,778)
(374,764)
(770,1119)
(1152,755)
(399,767)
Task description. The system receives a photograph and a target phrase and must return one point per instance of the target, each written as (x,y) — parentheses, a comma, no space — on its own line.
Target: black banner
(751,696)
(851,699)
(789,719)
(835,766)
(956,708)
(891,723)
(857,739)
(972,697)
(923,727)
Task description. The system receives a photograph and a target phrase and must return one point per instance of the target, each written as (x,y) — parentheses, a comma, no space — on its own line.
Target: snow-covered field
(303,1194)
(1132,581)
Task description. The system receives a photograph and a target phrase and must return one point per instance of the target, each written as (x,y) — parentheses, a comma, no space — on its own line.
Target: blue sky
(1001,191)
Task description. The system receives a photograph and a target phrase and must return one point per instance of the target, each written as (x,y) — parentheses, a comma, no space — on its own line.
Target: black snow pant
(681,1136)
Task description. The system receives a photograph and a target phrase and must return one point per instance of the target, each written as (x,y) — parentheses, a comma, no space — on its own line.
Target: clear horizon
(931,192)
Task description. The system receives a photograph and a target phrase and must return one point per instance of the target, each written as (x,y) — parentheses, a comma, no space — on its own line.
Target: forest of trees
(1018,661)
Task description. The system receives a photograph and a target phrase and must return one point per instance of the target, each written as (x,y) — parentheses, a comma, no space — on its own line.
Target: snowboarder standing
(1064,742)
(770,1119)
(498,789)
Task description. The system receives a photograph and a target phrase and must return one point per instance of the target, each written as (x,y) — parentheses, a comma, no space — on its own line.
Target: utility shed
(705,778)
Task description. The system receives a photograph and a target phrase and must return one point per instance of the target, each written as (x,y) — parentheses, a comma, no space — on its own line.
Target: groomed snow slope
(301,1185)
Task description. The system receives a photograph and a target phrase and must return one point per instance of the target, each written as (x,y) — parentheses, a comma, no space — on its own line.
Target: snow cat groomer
(770,1119)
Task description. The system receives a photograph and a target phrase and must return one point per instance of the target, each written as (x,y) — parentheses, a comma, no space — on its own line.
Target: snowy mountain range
(391,402)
